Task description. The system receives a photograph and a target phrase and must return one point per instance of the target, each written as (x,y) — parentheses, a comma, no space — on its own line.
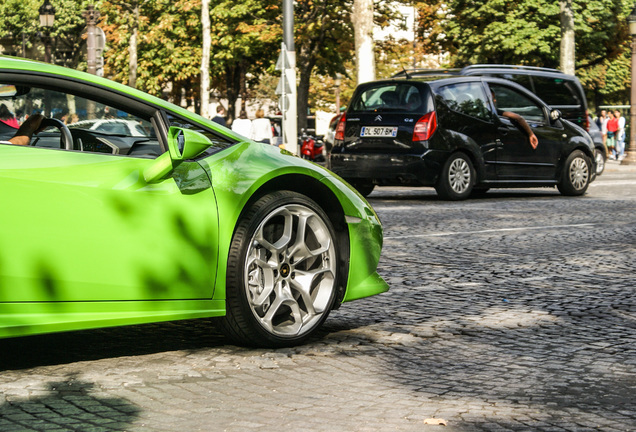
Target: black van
(557,89)
(461,135)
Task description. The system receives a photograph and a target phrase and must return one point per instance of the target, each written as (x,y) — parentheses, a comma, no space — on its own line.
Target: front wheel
(457,178)
(576,174)
(282,272)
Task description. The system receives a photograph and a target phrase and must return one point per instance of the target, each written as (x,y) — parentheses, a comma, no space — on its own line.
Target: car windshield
(388,97)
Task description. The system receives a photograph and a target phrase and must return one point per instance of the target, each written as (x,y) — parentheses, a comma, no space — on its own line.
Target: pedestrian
(262,128)
(602,124)
(620,139)
(220,115)
(24,133)
(612,129)
(7,117)
(242,125)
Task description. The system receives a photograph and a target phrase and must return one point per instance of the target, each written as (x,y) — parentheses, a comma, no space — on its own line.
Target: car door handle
(503,130)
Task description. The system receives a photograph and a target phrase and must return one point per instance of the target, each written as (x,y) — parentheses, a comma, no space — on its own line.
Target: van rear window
(389,97)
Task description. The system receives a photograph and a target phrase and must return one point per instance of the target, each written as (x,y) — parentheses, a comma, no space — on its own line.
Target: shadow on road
(69,347)
(69,404)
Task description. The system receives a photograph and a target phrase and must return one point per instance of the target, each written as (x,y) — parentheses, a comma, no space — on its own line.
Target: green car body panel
(93,240)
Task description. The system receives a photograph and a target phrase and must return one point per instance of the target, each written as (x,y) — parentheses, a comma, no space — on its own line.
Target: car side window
(219,142)
(94,126)
(467,98)
(509,99)
(556,91)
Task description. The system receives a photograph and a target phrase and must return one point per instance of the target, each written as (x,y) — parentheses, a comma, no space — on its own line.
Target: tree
(528,32)
(362,18)
(567,51)
(20,30)
(205,58)
(246,39)
(323,39)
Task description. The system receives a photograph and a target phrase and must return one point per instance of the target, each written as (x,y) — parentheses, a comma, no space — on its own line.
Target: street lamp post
(47,19)
(91,15)
(630,158)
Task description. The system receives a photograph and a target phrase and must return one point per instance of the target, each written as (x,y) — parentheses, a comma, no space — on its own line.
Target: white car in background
(129,128)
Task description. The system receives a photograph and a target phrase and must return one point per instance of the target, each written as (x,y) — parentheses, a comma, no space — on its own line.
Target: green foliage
(527,32)
(20,18)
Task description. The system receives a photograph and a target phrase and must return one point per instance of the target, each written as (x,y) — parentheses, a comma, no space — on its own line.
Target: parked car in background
(211,225)
(456,135)
(330,136)
(600,152)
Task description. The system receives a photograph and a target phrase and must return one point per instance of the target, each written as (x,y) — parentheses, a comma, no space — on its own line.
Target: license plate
(378,131)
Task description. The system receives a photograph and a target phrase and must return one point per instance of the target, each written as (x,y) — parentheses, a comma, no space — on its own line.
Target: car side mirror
(555,115)
(183,144)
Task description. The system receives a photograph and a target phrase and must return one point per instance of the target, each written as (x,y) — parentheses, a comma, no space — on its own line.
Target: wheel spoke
(276,245)
(308,285)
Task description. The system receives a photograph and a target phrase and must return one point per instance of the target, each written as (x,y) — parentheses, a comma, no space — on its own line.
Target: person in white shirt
(243,125)
(262,128)
(25,132)
(620,140)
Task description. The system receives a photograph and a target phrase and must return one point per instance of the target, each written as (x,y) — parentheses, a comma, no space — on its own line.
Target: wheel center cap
(285,270)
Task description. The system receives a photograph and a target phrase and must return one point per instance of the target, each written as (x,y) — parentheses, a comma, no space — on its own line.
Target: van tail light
(340,129)
(425,127)
(586,123)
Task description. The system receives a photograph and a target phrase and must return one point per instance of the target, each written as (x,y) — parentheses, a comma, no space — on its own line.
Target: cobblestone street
(511,312)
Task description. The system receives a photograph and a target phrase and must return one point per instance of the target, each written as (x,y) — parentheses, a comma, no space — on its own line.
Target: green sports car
(127,209)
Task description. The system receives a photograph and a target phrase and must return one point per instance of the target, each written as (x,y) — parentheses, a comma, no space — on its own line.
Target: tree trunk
(567,37)
(233,84)
(303,94)
(362,19)
(132,48)
(205,59)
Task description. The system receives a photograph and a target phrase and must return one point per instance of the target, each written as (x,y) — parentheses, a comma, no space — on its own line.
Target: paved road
(515,311)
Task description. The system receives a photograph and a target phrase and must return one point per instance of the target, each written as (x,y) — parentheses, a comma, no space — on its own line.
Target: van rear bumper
(390,169)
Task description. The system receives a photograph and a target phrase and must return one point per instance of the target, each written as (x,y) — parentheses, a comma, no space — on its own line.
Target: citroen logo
(378,118)
(284,270)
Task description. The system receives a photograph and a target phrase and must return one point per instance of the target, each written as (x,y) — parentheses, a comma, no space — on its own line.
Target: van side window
(467,98)
(556,91)
(508,99)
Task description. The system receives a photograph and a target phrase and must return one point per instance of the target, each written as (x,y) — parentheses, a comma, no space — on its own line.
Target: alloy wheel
(290,270)
(459,175)
(579,173)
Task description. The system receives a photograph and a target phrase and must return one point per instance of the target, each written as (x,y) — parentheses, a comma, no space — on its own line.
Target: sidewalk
(616,166)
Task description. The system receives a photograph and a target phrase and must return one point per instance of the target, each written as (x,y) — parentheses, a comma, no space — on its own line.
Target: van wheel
(600,161)
(576,174)
(457,179)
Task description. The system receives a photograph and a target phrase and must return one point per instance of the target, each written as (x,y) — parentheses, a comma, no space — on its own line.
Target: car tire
(576,174)
(280,287)
(457,178)
(364,187)
(600,157)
